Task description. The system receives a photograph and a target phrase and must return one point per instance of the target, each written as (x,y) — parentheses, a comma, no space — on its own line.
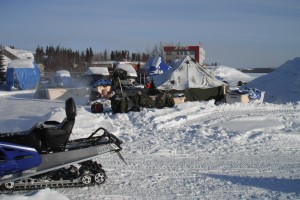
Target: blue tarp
(22,78)
(161,69)
(253,93)
(155,65)
(102,82)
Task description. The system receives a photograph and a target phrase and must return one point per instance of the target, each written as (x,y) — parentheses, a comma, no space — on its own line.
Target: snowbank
(282,85)
(230,75)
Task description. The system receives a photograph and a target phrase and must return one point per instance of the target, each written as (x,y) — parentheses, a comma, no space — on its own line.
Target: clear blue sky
(235,33)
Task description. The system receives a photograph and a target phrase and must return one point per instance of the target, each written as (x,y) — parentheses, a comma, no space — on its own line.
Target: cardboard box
(243,98)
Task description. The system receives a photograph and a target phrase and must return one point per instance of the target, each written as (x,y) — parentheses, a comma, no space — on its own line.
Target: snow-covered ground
(195,150)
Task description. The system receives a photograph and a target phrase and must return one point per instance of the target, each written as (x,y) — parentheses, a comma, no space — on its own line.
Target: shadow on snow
(270,183)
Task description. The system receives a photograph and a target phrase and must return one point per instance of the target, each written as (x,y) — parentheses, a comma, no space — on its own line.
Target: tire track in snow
(151,143)
(217,117)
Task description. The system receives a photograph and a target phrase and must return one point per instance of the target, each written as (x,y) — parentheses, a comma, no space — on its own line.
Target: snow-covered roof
(62,73)
(97,71)
(24,63)
(186,74)
(128,68)
(21,54)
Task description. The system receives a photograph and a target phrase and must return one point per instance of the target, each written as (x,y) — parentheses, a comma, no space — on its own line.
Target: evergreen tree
(91,54)
(105,55)
(138,57)
(2,69)
(39,54)
(87,55)
(133,56)
(145,57)
(112,55)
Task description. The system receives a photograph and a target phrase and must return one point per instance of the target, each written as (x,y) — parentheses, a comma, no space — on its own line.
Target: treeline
(124,55)
(258,70)
(58,58)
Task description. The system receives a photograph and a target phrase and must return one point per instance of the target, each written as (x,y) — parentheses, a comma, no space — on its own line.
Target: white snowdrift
(282,85)
(230,75)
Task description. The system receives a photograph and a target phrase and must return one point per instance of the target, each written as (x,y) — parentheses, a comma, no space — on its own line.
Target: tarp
(101,82)
(22,74)
(253,93)
(62,78)
(155,65)
(202,94)
(188,77)
(128,68)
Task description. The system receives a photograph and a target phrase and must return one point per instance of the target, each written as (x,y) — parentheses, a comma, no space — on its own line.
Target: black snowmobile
(45,157)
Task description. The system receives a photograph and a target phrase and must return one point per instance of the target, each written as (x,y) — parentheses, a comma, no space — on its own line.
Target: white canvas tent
(190,78)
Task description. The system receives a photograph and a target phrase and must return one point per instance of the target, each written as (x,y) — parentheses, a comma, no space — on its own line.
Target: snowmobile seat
(51,136)
(31,138)
(55,138)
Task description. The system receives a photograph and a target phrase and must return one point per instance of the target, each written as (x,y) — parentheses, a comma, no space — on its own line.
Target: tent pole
(224,92)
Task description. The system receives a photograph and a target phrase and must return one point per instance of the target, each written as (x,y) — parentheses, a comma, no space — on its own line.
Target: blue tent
(155,65)
(22,74)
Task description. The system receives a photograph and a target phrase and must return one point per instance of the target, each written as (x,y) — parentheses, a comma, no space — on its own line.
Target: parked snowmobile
(45,157)
(15,158)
